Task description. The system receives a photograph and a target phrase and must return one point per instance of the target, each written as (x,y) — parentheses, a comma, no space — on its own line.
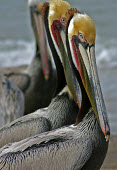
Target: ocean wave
(107,57)
(106,53)
(17,52)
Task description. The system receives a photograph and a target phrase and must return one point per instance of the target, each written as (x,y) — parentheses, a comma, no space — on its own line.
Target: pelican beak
(58,33)
(56,28)
(85,62)
(38,27)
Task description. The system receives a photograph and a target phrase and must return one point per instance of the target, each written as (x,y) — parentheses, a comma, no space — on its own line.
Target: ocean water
(17,44)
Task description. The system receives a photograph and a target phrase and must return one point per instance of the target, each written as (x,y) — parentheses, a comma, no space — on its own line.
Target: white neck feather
(66,90)
(56,47)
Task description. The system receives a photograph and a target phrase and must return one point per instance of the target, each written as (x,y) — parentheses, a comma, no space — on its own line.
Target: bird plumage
(80,146)
(57,114)
(30,79)
(73,147)
(11,101)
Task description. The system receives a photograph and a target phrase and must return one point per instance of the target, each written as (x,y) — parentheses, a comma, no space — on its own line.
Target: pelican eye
(82,37)
(63,20)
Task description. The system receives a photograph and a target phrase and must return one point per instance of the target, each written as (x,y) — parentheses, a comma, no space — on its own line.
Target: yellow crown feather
(58,8)
(84,24)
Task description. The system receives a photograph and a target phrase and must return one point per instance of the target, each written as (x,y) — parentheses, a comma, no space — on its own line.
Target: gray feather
(11,101)
(69,148)
(62,111)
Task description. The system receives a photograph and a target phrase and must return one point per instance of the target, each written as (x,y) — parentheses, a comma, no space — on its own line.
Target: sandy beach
(110,162)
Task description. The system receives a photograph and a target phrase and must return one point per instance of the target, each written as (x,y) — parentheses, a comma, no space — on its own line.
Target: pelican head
(79,43)
(81,35)
(39,32)
(57,14)
(57,11)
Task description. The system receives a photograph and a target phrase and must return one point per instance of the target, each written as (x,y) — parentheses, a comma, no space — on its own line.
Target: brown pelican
(80,146)
(38,80)
(57,114)
(11,101)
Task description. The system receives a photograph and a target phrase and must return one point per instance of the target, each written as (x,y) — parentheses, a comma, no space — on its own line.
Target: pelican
(11,101)
(58,113)
(80,146)
(38,80)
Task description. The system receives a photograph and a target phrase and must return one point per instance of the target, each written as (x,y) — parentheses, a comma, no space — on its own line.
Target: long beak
(73,85)
(41,40)
(86,65)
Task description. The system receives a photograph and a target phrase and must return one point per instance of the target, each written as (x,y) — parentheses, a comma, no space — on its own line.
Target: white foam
(33,2)
(106,56)
(16,52)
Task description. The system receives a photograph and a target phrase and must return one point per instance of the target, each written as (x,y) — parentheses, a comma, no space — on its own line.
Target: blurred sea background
(17,44)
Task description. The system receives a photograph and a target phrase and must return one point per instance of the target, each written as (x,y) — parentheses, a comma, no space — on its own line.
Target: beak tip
(46,77)
(107,137)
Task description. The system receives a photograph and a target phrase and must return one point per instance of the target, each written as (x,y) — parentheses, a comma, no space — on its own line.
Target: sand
(110,161)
